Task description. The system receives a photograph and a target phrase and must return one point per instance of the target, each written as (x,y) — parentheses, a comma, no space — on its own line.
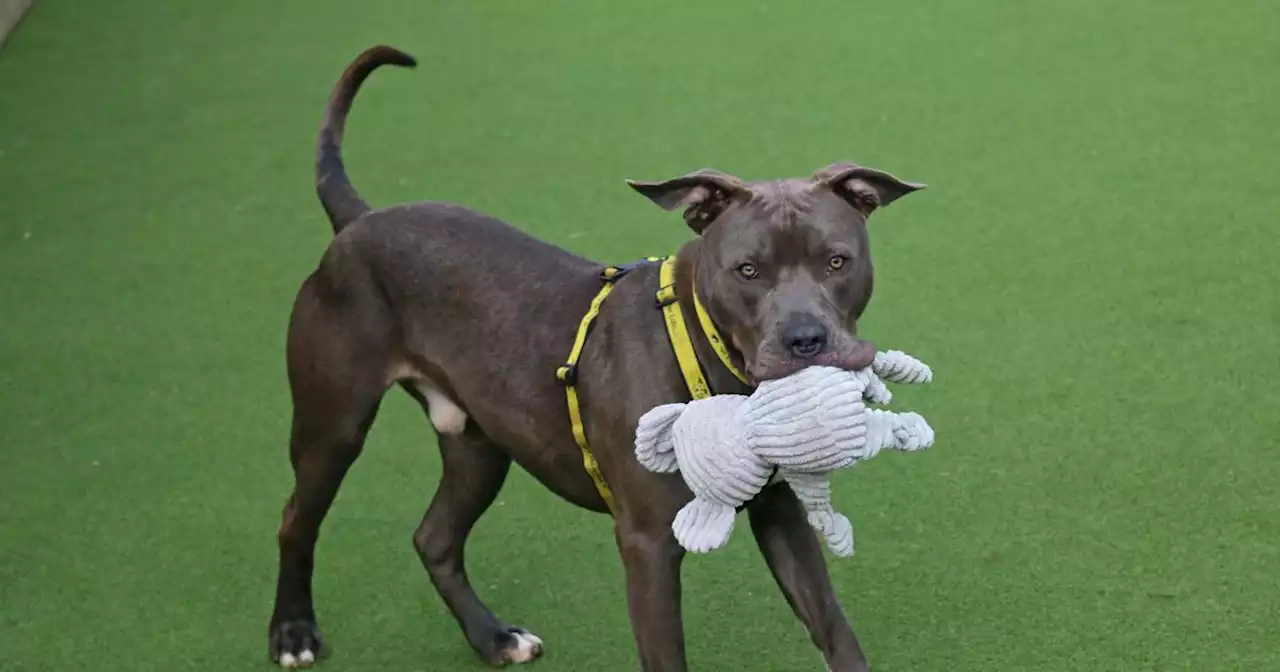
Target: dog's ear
(864,188)
(703,194)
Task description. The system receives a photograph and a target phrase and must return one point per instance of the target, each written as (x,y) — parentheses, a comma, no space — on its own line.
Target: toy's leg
(814,492)
(703,525)
(795,558)
(899,431)
(911,432)
(899,367)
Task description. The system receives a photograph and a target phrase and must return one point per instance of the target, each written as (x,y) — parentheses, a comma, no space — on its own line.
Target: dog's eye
(749,271)
(836,262)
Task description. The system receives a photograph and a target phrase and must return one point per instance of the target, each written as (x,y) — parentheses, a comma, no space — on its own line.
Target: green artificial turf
(1092,274)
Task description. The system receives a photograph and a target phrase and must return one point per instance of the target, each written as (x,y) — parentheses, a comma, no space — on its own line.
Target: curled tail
(338,197)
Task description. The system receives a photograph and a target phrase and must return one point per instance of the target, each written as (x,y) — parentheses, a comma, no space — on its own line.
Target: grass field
(1092,273)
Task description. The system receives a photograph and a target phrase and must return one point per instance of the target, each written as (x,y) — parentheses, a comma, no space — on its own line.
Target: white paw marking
(528,645)
(305,659)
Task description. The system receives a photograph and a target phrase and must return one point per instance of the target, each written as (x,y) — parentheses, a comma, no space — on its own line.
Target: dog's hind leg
(474,470)
(337,373)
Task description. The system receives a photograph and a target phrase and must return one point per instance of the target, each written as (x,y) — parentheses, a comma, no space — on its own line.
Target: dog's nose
(806,339)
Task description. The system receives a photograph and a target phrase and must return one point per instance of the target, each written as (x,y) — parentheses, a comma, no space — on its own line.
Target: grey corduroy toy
(806,425)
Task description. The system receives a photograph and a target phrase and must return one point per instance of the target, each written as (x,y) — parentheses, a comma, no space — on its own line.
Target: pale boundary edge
(11,12)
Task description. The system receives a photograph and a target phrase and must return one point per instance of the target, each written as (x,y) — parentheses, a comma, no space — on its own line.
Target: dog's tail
(338,197)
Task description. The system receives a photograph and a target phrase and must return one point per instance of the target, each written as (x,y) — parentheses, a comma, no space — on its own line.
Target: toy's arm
(875,391)
(899,431)
(655,448)
(899,367)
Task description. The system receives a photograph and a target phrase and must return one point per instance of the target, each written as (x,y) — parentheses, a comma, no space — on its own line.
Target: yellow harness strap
(678,332)
(567,374)
(681,343)
(713,337)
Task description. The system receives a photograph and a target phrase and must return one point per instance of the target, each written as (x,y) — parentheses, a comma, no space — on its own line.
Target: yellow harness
(681,344)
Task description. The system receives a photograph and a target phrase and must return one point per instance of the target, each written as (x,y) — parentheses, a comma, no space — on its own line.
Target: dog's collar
(713,336)
(678,333)
(682,344)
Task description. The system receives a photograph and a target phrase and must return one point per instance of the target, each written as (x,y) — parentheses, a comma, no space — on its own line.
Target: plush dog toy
(728,447)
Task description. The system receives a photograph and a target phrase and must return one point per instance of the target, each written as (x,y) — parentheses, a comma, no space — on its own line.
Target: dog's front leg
(792,551)
(652,558)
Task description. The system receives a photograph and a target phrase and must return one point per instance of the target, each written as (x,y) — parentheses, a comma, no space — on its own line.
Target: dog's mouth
(855,358)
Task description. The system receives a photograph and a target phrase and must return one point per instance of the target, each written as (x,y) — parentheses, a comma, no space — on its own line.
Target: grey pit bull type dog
(472,318)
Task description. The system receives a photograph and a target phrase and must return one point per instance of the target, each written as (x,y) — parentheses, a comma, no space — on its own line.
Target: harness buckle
(567,374)
(613,273)
(666,296)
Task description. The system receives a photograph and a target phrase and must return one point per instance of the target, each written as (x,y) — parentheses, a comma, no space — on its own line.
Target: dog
(472,318)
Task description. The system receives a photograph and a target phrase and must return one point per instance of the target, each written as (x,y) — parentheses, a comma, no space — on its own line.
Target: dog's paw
(516,646)
(295,643)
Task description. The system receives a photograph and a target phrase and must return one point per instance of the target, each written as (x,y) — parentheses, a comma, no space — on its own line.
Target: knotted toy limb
(896,366)
(703,525)
(911,432)
(907,432)
(814,493)
(654,448)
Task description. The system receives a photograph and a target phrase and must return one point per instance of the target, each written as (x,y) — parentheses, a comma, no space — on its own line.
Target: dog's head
(785,267)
